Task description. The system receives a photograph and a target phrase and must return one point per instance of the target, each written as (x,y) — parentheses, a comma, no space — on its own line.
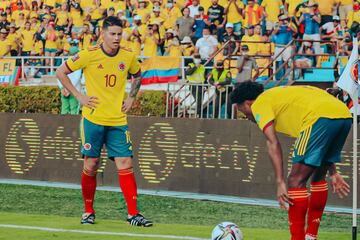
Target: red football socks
(318,198)
(128,186)
(88,186)
(297,212)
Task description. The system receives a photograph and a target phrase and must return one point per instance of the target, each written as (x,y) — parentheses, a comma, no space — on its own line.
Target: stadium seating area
(184,27)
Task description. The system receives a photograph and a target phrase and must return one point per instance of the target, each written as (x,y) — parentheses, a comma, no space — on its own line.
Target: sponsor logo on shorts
(87,146)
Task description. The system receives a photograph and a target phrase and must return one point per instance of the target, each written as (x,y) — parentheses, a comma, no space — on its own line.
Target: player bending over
(321,123)
(104,121)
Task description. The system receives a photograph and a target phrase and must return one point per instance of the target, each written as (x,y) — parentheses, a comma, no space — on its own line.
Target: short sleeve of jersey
(134,66)
(263,113)
(78,61)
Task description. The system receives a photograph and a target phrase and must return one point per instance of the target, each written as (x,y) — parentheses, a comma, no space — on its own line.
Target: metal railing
(191,100)
(26,64)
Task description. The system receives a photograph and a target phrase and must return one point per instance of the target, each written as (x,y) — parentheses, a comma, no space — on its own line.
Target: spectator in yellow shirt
(62,17)
(77,20)
(156,15)
(96,13)
(27,37)
(34,10)
(60,42)
(86,37)
(4,43)
(271,12)
(172,13)
(151,42)
(135,41)
(35,24)
(19,8)
(173,45)
(160,35)
(38,47)
(8,14)
(143,11)
(265,51)
(20,21)
(67,45)
(234,14)
(251,40)
(187,47)
(354,15)
(14,39)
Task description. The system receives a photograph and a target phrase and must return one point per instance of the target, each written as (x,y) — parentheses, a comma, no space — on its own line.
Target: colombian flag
(160,70)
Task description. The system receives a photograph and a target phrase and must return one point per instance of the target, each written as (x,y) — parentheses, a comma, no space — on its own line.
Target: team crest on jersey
(75,58)
(87,146)
(122,66)
(355,72)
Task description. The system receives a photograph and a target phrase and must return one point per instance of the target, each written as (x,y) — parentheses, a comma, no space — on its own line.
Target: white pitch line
(100,233)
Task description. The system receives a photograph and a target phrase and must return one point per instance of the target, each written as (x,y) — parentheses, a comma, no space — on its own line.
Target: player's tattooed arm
(136,84)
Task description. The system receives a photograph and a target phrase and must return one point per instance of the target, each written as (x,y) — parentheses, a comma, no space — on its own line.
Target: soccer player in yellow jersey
(106,68)
(321,123)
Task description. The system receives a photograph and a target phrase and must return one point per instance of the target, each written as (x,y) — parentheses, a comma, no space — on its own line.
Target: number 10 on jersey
(110,80)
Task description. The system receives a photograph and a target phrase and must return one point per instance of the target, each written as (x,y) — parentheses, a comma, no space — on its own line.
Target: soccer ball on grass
(226,231)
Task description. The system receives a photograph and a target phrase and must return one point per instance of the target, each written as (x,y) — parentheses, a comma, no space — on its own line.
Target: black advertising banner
(224,157)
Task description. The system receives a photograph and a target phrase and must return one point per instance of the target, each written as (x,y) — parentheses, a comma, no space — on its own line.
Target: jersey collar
(107,54)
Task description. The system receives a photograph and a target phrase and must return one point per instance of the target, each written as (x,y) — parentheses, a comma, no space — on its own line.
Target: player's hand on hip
(340,187)
(127,105)
(88,101)
(282,195)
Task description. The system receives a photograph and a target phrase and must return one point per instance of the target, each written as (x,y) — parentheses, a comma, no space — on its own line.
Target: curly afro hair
(246,91)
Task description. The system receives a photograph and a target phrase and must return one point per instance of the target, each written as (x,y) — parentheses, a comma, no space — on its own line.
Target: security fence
(191,100)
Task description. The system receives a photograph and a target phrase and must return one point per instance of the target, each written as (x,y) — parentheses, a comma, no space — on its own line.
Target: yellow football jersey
(295,108)
(106,79)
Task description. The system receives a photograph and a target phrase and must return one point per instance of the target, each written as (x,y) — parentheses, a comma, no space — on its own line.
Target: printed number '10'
(110,80)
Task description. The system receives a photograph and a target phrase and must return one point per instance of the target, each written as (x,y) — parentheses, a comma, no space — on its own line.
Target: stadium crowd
(181,27)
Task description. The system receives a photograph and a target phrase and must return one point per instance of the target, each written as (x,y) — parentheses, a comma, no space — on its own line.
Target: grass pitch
(61,209)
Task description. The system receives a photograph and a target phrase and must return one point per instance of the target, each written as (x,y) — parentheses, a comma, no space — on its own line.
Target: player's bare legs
(297,191)
(88,187)
(299,175)
(128,187)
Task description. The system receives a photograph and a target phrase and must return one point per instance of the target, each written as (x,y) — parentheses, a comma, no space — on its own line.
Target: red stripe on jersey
(268,125)
(68,67)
